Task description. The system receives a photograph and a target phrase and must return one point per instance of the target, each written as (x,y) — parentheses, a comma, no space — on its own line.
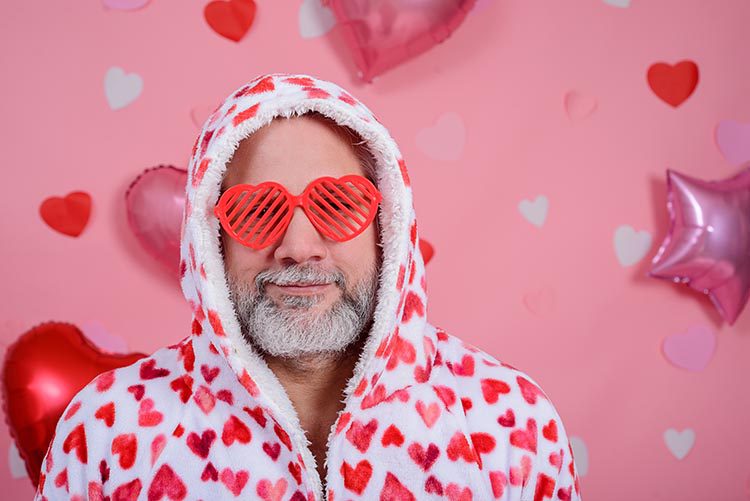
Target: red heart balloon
(155,203)
(230,19)
(67,215)
(42,371)
(673,84)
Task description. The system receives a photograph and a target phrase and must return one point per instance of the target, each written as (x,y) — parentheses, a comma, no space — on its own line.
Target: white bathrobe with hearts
(426,416)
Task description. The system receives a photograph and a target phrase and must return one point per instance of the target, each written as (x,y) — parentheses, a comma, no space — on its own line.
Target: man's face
(277,318)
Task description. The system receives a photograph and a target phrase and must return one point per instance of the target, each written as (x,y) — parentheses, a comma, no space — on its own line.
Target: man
(311,372)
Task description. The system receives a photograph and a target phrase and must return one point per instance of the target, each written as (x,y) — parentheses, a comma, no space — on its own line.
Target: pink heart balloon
(382,34)
(155,203)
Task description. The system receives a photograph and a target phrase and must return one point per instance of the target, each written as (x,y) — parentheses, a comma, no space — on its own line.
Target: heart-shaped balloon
(155,204)
(42,371)
(382,34)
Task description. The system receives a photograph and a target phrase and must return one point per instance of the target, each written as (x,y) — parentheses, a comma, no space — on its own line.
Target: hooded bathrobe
(426,416)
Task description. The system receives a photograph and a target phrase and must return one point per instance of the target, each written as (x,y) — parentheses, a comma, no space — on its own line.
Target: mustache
(298,274)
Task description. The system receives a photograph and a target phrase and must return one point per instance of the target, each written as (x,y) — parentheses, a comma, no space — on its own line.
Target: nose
(301,242)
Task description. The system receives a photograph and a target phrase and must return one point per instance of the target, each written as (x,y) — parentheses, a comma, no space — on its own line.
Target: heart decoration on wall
(42,371)
(155,203)
(381,35)
(67,215)
(230,18)
(673,84)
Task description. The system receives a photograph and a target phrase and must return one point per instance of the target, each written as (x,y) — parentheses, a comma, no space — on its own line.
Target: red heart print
(564,494)
(104,470)
(424,458)
(126,445)
(465,368)
(166,483)
(210,473)
(62,479)
(184,386)
(283,435)
(466,403)
(130,490)
(205,399)
(230,19)
(529,390)
(456,493)
(67,215)
(149,370)
(235,482)
(673,84)
(447,395)
(157,445)
(520,475)
(76,439)
(234,429)
(545,487)
(429,413)
(106,413)
(508,419)
(201,444)
(296,470)
(433,486)
(491,389)
(147,416)
(257,414)
(426,249)
(549,431)
(209,373)
(137,390)
(401,351)
(392,435)
(498,480)
(525,439)
(273,451)
(483,443)
(459,447)
(360,435)
(104,381)
(271,492)
(357,478)
(395,490)
(555,459)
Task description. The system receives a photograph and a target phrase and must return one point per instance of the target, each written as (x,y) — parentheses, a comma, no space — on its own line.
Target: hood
(399,349)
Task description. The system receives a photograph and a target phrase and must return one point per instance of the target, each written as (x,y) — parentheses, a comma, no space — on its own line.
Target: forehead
(293,152)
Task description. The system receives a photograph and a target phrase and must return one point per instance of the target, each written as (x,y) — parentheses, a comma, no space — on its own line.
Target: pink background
(552,300)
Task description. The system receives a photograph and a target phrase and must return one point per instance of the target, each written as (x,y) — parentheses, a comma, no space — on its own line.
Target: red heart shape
(525,439)
(126,445)
(167,483)
(491,388)
(230,19)
(69,362)
(67,215)
(673,84)
(424,458)
(201,445)
(360,435)
(235,429)
(393,436)
(357,478)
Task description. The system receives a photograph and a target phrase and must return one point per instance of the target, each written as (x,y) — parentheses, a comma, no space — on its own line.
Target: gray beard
(291,329)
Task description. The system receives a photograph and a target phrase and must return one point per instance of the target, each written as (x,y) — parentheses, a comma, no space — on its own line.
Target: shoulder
(518,435)
(111,424)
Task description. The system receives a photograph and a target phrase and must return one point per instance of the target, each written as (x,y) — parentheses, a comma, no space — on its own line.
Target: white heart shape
(444,140)
(15,462)
(679,443)
(315,19)
(121,89)
(631,246)
(534,212)
(580,455)
(623,4)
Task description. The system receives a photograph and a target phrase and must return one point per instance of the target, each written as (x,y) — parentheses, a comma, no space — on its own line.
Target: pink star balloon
(707,246)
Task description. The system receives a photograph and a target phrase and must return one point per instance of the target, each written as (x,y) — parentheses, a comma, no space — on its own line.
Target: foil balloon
(42,371)
(382,34)
(707,246)
(155,203)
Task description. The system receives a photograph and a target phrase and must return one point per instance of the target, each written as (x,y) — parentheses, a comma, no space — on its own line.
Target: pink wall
(552,299)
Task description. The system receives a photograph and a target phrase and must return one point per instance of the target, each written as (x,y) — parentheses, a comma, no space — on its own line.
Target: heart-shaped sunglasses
(257,215)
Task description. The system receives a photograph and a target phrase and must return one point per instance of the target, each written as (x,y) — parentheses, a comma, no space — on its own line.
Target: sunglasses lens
(342,209)
(255,217)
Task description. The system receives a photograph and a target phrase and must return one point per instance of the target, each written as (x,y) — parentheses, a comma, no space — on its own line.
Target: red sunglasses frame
(224,212)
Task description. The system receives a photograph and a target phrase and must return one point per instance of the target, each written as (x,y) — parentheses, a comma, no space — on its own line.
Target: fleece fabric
(426,416)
